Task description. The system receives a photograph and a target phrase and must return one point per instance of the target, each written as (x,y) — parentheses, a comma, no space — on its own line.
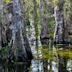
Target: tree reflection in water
(17,67)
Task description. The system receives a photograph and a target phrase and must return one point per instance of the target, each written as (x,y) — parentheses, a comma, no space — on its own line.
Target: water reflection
(25,66)
(18,67)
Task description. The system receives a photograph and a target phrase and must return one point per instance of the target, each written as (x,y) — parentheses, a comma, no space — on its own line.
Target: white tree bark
(59,23)
(61,34)
(16,27)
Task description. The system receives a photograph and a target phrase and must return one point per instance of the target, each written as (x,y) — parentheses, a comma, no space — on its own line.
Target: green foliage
(4,52)
(7,1)
(1,19)
(51,55)
(28,6)
(67,9)
(51,25)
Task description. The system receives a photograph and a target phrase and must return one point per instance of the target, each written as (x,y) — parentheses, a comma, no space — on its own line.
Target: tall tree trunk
(1,14)
(36,28)
(24,32)
(44,33)
(26,41)
(61,36)
(69,21)
(16,27)
(0,37)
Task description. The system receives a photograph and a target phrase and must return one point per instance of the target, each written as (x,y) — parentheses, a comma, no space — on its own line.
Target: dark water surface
(14,67)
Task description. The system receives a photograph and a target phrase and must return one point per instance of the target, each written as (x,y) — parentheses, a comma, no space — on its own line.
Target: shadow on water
(15,67)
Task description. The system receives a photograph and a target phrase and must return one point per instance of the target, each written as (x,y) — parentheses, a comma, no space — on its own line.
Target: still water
(14,67)
(30,67)
(23,67)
